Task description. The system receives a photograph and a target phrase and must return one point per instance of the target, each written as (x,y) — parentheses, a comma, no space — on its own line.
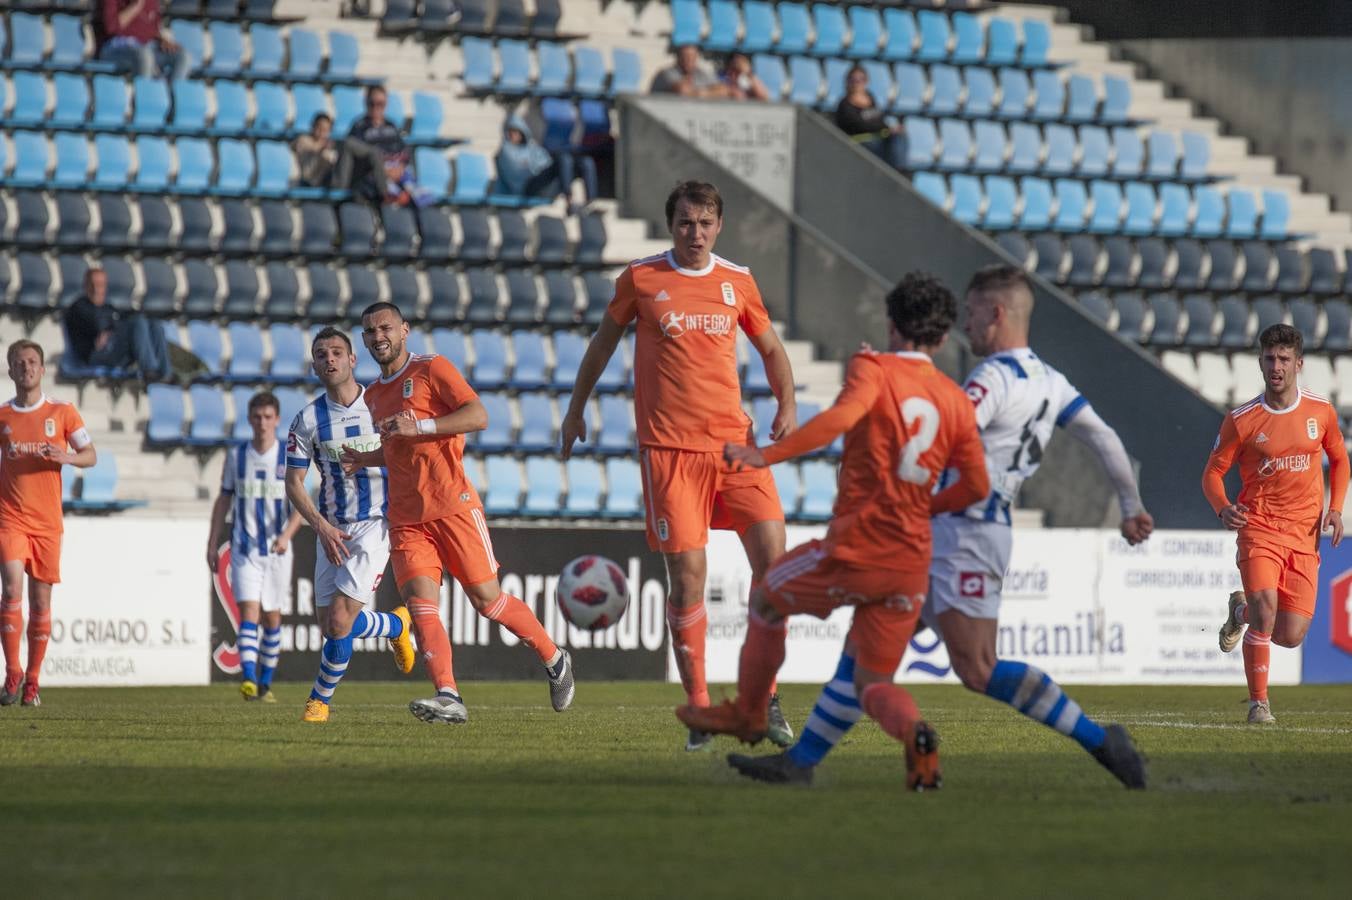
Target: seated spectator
(101,336)
(687,77)
(374,162)
(527,169)
(740,81)
(129,34)
(858,116)
(315,153)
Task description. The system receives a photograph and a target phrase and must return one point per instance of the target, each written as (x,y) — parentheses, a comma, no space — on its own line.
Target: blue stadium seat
(990,146)
(624,489)
(626,72)
(1140,217)
(241,289)
(770,70)
(485,298)
(568,350)
(1163,155)
(1168,320)
(584,487)
(1025,148)
(1107,215)
(110,103)
(902,34)
(1276,216)
(246,352)
(614,435)
(1015,93)
(1116,100)
(1082,99)
(1196,156)
(190,107)
(490,358)
(537,423)
(968,198)
(150,104)
(794,27)
(1095,152)
(922,141)
(828,21)
(789,486)
(1128,153)
(544,485)
(528,373)
(514,68)
(474,235)
(232,108)
(879,82)
(272,108)
(1071,202)
(687,22)
(1002,42)
(497,436)
(933,187)
(981,93)
(1210,216)
(1037,42)
(806,76)
(433,171)
(471,179)
(451,344)
(955,141)
(545,22)
(589,71)
(560,121)
(305,55)
(819,489)
(503,496)
(204,340)
(1050,95)
(555,69)
(191,36)
(290,358)
(1002,199)
(72,161)
(759,28)
(292,400)
(344,56)
(725,24)
(114,162)
(68,45)
(348,106)
(71,106)
(310,100)
(227,49)
(1235,315)
(833,78)
(235,167)
(30,99)
(28,40)
(194,164)
(615,376)
(523,296)
(165,422)
(1201,327)
(239,399)
(945,91)
(969,39)
(479,71)
(1242,214)
(1061,149)
(35,282)
(268,51)
(283,293)
(935,35)
(1037,205)
(362,289)
(31,159)
(866,31)
(561,297)
(201,288)
(912,88)
(72,212)
(274,169)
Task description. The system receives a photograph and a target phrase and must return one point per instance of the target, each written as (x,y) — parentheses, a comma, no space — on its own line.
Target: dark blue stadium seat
(561,297)
(33,219)
(1304,317)
(241,289)
(239,234)
(73,220)
(318,229)
(1235,314)
(1168,320)
(201,288)
(1131,314)
(400,230)
(523,296)
(600,290)
(1293,270)
(363,289)
(1122,260)
(283,292)
(368,370)
(436,235)
(1259,267)
(324,291)
(165,422)
(278,237)
(161,287)
(1225,264)
(1201,327)
(35,282)
(1085,260)
(537,423)
(1190,262)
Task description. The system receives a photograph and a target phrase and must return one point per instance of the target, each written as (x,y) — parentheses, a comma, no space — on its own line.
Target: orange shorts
(687,492)
(886,604)
(458,544)
(41,553)
(1265,566)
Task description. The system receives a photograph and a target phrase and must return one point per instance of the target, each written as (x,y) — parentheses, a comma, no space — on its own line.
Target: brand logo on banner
(226,656)
(1340,612)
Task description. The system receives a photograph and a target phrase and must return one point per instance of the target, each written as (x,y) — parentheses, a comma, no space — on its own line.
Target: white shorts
(360,574)
(262,579)
(967,568)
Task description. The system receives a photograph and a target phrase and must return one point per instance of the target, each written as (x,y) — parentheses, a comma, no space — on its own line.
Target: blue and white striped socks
(1033,693)
(270,653)
(836,711)
(371,624)
(332,666)
(248,650)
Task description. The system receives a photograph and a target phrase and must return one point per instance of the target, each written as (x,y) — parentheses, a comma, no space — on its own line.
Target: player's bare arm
(333,540)
(469,417)
(293,524)
(80,459)
(779,373)
(599,351)
(218,513)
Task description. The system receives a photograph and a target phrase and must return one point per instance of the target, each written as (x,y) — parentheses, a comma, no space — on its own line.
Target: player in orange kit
(687,305)
(905,422)
(423,408)
(1277,438)
(38,436)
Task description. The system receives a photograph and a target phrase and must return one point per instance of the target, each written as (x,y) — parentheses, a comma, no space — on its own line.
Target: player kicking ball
(905,422)
(1277,439)
(1018,400)
(38,436)
(253,482)
(423,409)
(352,542)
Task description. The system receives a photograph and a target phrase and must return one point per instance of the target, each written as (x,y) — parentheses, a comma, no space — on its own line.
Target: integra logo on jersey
(674,324)
(1271,465)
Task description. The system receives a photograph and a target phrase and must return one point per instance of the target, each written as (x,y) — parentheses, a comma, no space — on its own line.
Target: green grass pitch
(189,792)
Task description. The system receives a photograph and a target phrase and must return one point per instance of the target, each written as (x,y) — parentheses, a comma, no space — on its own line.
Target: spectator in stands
(101,336)
(129,34)
(374,161)
(740,81)
(527,169)
(687,77)
(859,116)
(315,152)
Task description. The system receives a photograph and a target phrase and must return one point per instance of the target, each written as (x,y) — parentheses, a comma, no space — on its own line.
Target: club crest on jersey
(663,532)
(729,295)
(1312,429)
(49,427)
(408,388)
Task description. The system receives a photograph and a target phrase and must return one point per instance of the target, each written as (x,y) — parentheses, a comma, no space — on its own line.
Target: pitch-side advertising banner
(1328,645)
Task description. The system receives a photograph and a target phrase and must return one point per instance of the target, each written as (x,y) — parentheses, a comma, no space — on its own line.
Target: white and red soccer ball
(592,592)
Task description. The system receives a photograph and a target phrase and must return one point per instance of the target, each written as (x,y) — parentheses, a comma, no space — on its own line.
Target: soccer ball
(592,592)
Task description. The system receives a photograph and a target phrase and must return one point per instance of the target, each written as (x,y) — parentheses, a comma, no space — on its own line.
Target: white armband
(427,426)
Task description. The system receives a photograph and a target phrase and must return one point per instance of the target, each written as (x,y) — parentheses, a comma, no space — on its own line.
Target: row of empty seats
(434,18)
(94,490)
(995,202)
(860,32)
(260,10)
(512,68)
(1232,379)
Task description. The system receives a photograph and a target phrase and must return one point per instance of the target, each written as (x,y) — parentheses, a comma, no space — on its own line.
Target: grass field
(190,792)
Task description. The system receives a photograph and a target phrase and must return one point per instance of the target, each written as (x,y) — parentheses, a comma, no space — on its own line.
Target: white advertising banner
(130,607)
(1079,604)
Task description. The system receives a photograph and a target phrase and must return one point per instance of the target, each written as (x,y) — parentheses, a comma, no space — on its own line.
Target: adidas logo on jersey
(661,295)
(1261,439)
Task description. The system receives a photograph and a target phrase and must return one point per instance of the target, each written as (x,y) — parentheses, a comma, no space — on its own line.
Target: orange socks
(11,631)
(39,628)
(516,617)
(687,625)
(1257,652)
(434,644)
(762,655)
(892,707)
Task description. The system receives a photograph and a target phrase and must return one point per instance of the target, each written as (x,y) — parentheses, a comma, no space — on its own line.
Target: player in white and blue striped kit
(253,485)
(351,535)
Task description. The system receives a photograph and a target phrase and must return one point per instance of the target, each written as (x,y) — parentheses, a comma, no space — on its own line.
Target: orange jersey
(30,486)
(1280,469)
(686,392)
(427,472)
(908,422)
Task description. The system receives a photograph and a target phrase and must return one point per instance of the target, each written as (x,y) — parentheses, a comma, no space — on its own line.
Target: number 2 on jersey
(922,418)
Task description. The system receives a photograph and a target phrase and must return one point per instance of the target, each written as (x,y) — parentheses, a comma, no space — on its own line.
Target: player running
(688,303)
(1276,438)
(905,422)
(1018,400)
(423,408)
(38,435)
(253,481)
(352,542)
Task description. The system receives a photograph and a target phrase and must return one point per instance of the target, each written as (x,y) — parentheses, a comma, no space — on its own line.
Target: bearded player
(688,304)
(38,436)
(1277,439)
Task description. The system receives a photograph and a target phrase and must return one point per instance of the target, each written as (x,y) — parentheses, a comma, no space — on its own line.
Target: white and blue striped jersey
(1019,400)
(257,481)
(319,433)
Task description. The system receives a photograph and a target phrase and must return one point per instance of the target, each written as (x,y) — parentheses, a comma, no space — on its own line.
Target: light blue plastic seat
(687,22)
(1037,43)
(945,91)
(758,32)
(1175,209)
(981,93)
(624,489)
(1072,201)
(969,39)
(1002,42)
(1210,215)
(1128,153)
(1037,204)
(1049,95)
(1107,214)
(1116,100)
(933,187)
(479,70)
(471,179)
(72,160)
(165,421)
(150,104)
(1002,200)
(1276,216)
(770,70)
(227,49)
(114,162)
(71,106)
(968,198)
(866,30)
(1095,152)
(1163,155)
(794,25)
(1241,219)
(584,487)
(912,88)
(1141,202)
(955,140)
(828,22)
(725,25)
(922,140)
(1196,156)
(305,54)
(1015,91)
(1081,99)
(903,36)
(807,81)
(991,145)
(1061,146)
(935,35)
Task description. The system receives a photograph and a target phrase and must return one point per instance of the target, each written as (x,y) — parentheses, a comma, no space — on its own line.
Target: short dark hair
(1282,335)
(262,399)
(382,305)
(999,277)
(696,193)
(321,117)
(922,308)
(24,344)
(376,89)
(327,332)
